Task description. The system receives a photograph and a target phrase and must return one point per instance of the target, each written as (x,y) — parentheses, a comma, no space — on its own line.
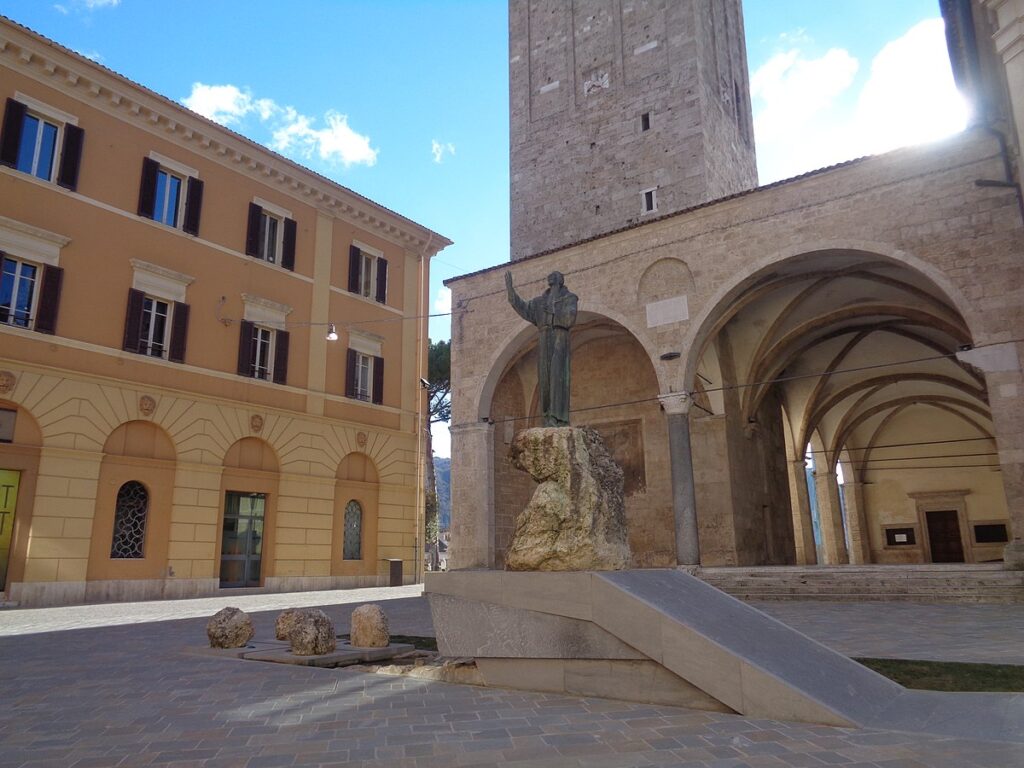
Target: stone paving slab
(344,655)
(127,695)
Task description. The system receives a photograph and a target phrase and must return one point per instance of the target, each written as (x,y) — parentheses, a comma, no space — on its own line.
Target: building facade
(867,315)
(209,355)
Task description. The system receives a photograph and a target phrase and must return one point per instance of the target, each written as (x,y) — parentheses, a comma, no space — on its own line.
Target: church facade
(822,370)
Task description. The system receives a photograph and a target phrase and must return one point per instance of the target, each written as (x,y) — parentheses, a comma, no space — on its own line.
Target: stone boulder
(311,633)
(285,623)
(369,627)
(576,520)
(229,628)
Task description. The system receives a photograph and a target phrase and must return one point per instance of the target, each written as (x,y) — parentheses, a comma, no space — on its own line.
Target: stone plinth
(576,520)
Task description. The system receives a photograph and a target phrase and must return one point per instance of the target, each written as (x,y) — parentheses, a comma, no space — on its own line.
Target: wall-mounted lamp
(332,332)
(424,383)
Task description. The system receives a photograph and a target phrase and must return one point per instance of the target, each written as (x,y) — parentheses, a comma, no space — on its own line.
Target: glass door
(241,548)
(9,480)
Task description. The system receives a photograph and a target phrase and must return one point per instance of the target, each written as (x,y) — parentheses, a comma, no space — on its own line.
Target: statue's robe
(554,314)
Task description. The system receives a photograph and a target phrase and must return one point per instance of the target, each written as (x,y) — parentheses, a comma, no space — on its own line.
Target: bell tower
(622,111)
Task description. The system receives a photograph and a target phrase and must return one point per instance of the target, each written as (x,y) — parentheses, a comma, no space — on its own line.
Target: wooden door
(944,536)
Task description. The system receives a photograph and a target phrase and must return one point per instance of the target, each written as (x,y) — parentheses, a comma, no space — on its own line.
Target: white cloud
(61,9)
(291,132)
(441,440)
(439,149)
(91,4)
(908,98)
(443,300)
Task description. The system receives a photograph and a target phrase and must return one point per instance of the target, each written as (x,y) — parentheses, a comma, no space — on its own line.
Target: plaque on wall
(900,537)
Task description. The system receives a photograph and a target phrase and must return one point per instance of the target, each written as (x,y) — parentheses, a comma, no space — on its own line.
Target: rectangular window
(364,376)
(38,146)
(645,121)
(364,373)
(991,533)
(7,420)
(271,230)
(367,274)
(18,290)
(153,330)
(650,200)
(41,141)
(262,352)
(168,198)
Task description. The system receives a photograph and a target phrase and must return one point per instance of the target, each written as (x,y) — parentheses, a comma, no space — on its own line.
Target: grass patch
(420,643)
(950,675)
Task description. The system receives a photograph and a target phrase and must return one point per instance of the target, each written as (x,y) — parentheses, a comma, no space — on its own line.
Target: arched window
(353,543)
(130,521)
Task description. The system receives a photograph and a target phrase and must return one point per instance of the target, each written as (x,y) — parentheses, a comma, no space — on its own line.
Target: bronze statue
(554,313)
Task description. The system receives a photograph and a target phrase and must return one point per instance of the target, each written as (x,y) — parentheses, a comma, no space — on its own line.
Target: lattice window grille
(353,549)
(130,521)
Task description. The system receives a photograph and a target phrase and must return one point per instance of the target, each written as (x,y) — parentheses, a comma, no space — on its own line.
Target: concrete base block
(317,583)
(41,594)
(343,656)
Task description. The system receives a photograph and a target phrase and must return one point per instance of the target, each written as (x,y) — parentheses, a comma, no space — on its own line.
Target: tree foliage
(439,373)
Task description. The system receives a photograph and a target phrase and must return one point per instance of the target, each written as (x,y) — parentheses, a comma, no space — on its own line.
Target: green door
(9,480)
(241,549)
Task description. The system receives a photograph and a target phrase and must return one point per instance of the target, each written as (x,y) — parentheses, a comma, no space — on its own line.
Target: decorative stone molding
(39,245)
(676,402)
(159,281)
(7,382)
(256,423)
(260,310)
(361,439)
(147,405)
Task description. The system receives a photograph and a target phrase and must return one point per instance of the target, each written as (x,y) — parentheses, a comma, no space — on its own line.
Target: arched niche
(357,480)
(19,470)
(248,531)
(134,452)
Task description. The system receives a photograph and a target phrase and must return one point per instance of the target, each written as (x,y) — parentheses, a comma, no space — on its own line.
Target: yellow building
(209,355)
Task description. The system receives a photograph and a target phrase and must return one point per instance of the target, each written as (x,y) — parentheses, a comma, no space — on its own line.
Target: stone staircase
(932,583)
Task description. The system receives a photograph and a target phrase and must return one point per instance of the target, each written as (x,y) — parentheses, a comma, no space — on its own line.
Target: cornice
(47,62)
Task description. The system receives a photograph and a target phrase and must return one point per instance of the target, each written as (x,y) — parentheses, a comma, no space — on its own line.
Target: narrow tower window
(650,200)
(645,121)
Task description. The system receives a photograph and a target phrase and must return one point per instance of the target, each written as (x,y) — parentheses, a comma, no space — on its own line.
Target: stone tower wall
(582,74)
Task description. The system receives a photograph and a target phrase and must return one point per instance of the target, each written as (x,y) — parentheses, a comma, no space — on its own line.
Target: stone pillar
(1004,381)
(684,502)
(803,525)
(1009,45)
(833,540)
(472,496)
(856,519)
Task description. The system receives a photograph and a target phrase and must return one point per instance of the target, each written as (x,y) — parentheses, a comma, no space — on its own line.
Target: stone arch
(664,278)
(357,479)
(19,471)
(134,452)
(252,453)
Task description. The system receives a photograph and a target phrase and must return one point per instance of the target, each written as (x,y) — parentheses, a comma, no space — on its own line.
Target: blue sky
(406,101)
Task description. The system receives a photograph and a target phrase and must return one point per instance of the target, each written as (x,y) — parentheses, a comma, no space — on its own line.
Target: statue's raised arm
(521,307)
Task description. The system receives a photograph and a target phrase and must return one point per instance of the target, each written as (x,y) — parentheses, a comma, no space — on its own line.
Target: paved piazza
(116,685)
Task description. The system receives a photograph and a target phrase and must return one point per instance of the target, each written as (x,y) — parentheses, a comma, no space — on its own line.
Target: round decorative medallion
(147,405)
(361,439)
(256,422)
(7,380)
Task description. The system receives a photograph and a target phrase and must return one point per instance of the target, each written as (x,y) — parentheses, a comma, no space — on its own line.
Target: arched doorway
(20,442)
(852,356)
(615,391)
(249,488)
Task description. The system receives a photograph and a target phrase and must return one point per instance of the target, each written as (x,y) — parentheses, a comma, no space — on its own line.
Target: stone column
(1009,45)
(856,519)
(803,526)
(833,540)
(684,502)
(472,496)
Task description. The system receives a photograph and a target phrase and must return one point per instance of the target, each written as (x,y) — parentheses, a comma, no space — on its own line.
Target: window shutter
(252,232)
(71,157)
(355,258)
(281,357)
(179,333)
(288,245)
(14,119)
(193,206)
(245,329)
(49,299)
(147,187)
(350,374)
(378,380)
(382,280)
(133,321)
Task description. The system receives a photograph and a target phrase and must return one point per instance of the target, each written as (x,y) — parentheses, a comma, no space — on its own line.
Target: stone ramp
(712,644)
(744,658)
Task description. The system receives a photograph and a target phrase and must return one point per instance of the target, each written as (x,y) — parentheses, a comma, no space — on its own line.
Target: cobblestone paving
(134,694)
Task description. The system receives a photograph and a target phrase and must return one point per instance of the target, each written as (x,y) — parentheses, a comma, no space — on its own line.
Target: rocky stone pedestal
(576,520)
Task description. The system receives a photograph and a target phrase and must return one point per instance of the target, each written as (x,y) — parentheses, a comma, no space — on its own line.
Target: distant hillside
(443,476)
